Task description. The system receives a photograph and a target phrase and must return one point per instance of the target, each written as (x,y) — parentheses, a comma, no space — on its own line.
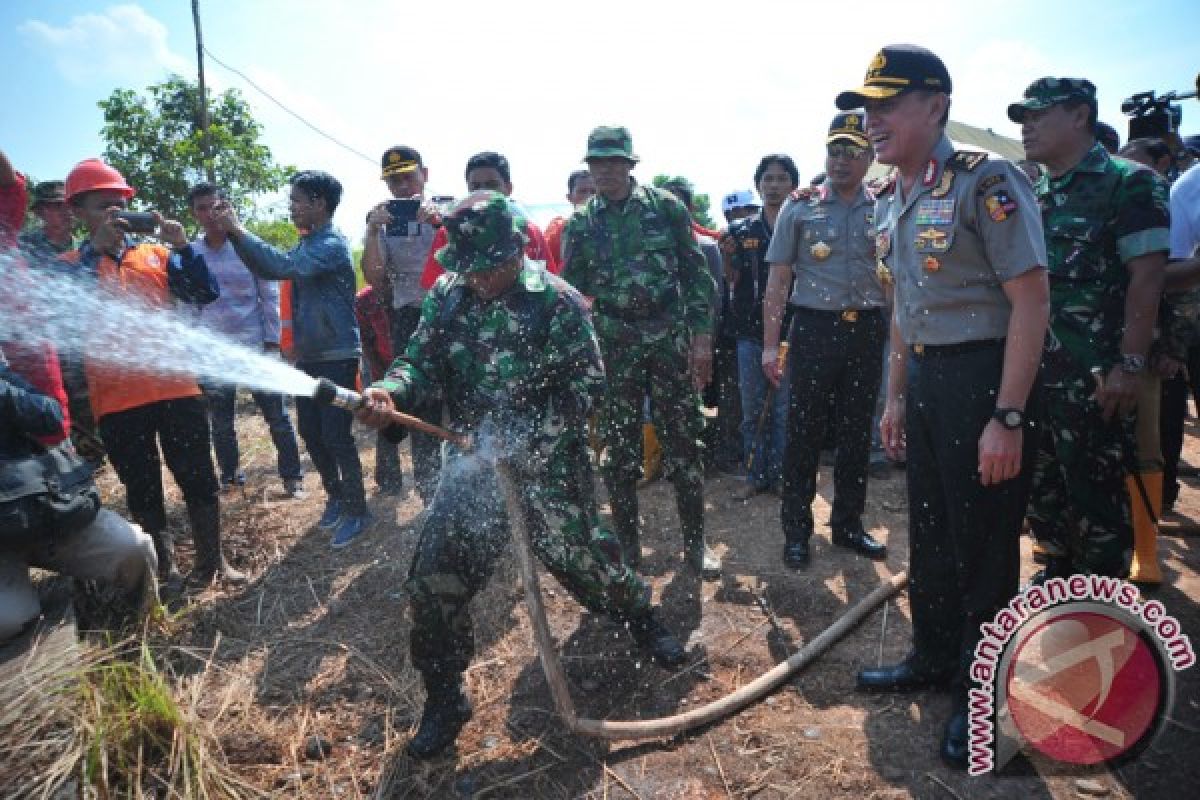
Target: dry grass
(114,720)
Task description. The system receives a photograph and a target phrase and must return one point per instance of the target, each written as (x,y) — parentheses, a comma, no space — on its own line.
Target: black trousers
(426,449)
(133,437)
(1172,413)
(835,364)
(964,554)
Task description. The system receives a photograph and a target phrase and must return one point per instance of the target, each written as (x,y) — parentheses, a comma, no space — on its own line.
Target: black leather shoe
(900,677)
(445,714)
(795,554)
(664,647)
(954,747)
(861,542)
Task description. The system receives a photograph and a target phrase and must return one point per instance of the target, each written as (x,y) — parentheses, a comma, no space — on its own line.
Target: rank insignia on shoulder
(967,159)
(943,187)
(1000,206)
(987,183)
(883,243)
(932,264)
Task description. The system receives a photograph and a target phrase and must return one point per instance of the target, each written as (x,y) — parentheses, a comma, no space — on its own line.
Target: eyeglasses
(848,151)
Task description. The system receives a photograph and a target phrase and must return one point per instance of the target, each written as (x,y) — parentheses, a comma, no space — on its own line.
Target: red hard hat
(92,174)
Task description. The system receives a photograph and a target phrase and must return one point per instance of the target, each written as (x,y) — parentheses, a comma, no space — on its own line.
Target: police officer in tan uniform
(825,239)
(960,233)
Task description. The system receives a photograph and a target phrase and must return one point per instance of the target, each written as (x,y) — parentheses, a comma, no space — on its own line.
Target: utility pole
(205,151)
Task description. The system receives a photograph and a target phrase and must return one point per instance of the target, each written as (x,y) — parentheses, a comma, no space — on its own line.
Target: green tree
(276,230)
(156,142)
(700,202)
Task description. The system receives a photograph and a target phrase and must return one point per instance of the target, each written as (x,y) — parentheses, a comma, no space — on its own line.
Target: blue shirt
(248,309)
(322,274)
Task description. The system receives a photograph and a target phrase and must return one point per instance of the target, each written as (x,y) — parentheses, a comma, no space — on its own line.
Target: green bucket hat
(1047,92)
(608,141)
(483,231)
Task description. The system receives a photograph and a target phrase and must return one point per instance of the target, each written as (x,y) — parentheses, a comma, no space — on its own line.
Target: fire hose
(330,394)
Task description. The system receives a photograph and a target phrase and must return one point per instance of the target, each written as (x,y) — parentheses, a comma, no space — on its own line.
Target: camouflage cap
(848,127)
(49,192)
(609,141)
(1047,92)
(482,232)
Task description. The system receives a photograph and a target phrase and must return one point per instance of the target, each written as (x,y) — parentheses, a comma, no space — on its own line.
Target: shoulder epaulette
(966,160)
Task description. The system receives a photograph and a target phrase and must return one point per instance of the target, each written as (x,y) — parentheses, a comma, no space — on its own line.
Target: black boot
(795,552)
(689,499)
(210,561)
(447,710)
(622,499)
(1056,567)
(955,743)
(169,577)
(853,536)
(664,647)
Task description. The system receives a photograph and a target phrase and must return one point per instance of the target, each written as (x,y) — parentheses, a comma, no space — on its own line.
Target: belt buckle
(919,349)
(850,315)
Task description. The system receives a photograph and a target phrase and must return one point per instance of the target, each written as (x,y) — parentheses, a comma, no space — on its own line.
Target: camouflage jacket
(1099,216)
(530,354)
(640,262)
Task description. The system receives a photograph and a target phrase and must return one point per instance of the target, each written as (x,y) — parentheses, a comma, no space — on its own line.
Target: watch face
(1012,419)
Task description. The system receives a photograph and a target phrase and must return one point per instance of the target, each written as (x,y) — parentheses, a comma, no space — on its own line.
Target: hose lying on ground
(663,726)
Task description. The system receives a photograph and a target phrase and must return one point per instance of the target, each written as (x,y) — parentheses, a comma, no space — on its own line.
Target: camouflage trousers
(658,368)
(466,529)
(1079,506)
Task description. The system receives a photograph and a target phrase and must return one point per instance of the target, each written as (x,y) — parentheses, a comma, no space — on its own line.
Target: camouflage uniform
(652,292)
(1097,217)
(520,372)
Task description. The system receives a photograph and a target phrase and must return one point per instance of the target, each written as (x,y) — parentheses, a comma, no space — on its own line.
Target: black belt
(941,350)
(846,314)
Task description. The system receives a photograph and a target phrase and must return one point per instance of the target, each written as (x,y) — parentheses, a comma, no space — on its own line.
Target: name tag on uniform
(935,211)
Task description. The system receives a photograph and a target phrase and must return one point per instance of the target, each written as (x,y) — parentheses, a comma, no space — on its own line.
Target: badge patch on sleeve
(1000,206)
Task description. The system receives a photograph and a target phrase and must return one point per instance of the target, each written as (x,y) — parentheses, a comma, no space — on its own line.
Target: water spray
(329,393)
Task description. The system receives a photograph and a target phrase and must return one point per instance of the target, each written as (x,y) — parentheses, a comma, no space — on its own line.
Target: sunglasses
(849,151)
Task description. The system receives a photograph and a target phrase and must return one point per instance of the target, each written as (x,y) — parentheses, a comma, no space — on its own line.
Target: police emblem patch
(1000,206)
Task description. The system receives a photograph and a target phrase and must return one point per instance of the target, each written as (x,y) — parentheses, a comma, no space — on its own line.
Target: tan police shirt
(830,246)
(970,224)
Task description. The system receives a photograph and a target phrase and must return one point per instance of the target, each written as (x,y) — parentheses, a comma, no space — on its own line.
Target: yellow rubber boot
(652,467)
(1145,568)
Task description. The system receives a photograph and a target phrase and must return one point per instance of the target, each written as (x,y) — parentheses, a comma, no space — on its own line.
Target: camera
(1153,116)
(138,221)
(404,212)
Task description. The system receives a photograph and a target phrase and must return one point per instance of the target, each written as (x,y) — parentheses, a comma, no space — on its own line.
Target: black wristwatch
(1011,418)
(1132,363)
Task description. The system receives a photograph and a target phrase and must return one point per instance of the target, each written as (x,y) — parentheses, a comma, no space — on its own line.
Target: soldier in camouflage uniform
(511,351)
(632,250)
(1106,224)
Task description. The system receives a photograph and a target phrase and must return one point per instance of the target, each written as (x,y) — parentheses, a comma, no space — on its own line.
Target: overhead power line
(269,96)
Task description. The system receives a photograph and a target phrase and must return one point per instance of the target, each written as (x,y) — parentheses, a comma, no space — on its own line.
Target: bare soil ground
(317,645)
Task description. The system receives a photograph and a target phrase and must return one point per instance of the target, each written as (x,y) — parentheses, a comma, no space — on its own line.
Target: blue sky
(705,87)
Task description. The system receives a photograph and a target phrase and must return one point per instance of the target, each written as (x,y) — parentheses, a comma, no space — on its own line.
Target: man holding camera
(400,234)
(138,410)
(1106,225)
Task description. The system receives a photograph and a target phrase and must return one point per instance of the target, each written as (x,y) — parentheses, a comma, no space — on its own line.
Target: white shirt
(1185,214)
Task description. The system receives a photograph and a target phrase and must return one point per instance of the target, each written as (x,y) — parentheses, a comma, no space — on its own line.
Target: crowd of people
(1030,329)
